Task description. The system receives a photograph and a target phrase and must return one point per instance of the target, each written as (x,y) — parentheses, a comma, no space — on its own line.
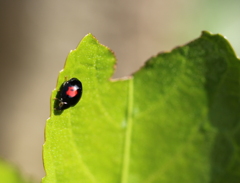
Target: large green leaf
(175,120)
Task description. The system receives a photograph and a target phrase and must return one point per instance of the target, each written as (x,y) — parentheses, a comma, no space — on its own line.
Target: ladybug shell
(69,94)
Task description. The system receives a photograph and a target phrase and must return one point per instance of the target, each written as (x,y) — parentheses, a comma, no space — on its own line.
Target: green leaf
(174,120)
(10,174)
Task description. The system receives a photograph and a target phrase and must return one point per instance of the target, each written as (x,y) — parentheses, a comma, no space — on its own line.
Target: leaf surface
(176,119)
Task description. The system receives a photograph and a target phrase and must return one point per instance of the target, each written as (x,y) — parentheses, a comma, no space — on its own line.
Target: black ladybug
(69,94)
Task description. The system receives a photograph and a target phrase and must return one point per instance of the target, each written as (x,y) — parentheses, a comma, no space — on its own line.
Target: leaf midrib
(127,142)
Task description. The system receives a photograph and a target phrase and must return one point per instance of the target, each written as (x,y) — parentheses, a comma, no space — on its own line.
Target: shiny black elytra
(69,94)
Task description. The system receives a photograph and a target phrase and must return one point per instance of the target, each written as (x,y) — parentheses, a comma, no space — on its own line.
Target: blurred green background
(36,37)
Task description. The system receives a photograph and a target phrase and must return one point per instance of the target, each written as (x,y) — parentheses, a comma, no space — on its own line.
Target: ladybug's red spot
(72,91)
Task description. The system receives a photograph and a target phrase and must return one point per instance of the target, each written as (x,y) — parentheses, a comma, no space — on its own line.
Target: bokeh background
(36,37)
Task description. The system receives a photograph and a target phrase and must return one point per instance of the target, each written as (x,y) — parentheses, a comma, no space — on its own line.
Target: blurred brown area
(36,37)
